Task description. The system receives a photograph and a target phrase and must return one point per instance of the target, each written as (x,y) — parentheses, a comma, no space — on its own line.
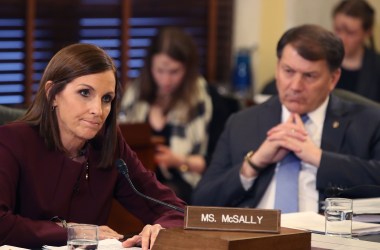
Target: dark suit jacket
(351,152)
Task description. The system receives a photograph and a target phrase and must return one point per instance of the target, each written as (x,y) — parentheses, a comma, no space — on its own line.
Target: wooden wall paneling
(126,8)
(120,219)
(212,41)
(29,49)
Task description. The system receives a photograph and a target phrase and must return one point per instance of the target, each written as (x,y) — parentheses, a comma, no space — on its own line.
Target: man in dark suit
(338,145)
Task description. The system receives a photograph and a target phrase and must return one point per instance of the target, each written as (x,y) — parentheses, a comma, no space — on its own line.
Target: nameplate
(233,219)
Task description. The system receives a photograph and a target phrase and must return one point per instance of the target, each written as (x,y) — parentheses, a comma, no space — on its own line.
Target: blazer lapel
(335,125)
(270,117)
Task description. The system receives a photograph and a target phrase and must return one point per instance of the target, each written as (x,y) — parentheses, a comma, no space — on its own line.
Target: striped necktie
(287,182)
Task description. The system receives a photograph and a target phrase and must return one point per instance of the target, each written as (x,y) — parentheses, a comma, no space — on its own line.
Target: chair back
(8,114)
(356,98)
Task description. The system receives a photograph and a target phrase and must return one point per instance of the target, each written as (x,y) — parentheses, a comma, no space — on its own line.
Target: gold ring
(293,130)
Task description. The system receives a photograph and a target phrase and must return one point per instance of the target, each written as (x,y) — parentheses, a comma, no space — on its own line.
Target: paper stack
(315,223)
(367,210)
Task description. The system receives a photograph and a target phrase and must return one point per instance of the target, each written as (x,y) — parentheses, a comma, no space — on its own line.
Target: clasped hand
(285,137)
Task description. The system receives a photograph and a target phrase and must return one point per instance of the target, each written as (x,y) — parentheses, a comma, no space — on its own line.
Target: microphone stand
(123,169)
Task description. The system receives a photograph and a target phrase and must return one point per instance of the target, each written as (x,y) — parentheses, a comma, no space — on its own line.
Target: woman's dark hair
(179,46)
(314,43)
(358,9)
(68,64)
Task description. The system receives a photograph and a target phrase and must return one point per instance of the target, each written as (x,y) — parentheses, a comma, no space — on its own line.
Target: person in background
(177,103)
(353,22)
(286,152)
(58,161)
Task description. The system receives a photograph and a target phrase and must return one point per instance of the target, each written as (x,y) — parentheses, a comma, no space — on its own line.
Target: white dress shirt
(307,192)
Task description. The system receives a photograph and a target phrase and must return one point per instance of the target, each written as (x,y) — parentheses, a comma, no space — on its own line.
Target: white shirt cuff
(246,182)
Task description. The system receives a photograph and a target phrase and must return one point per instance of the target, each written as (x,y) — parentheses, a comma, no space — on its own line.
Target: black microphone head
(359,191)
(362,191)
(333,191)
(121,166)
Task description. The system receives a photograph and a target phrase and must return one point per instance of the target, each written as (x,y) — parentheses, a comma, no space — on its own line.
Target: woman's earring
(53,108)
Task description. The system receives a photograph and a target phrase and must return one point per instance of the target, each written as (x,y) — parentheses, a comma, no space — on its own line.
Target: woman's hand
(105,232)
(146,238)
(165,157)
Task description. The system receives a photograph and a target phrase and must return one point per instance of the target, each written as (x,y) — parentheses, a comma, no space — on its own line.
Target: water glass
(338,217)
(82,236)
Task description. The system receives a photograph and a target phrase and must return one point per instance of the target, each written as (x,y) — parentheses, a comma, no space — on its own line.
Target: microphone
(123,169)
(361,191)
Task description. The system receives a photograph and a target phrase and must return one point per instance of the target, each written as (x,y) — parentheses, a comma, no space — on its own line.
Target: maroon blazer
(37,184)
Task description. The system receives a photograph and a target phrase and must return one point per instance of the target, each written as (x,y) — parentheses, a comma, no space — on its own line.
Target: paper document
(366,206)
(339,243)
(315,223)
(7,247)
(367,210)
(107,244)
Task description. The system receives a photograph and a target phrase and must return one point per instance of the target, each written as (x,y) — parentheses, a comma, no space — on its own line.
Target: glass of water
(338,217)
(82,236)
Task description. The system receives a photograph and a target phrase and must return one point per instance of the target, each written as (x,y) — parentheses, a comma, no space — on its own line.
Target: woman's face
(350,30)
(83,106)
(167,73)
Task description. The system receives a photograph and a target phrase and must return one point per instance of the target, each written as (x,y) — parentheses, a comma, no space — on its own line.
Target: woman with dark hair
(58,160)
(172,97)
(353,22)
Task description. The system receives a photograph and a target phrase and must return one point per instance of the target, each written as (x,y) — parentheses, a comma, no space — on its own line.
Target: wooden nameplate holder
(221,228)
(181,239)
(233,219)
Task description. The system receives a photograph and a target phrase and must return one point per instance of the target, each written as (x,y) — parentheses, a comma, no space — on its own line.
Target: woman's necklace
(87,172)
(79,154)
(81,157)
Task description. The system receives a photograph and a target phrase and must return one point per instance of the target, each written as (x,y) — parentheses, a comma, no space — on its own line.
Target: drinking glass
(338,217)
(82,236)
